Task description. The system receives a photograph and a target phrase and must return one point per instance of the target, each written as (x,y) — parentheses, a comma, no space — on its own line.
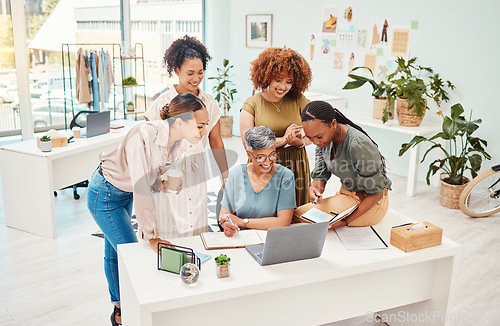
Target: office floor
(61,282)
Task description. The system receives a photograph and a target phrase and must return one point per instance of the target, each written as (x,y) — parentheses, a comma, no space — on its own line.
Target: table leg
(411,187)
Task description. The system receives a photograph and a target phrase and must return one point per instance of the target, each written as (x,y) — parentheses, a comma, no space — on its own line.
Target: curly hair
(274,61)
(184,48)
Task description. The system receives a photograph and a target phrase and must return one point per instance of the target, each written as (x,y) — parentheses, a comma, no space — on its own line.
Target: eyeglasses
(262,158)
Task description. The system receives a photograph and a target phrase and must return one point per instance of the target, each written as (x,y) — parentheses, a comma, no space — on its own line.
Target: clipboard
(172,257)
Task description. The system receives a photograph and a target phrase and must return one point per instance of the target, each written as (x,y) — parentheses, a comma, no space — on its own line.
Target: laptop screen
(98,123)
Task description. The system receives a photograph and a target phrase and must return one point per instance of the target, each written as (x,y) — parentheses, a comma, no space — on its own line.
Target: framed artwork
(259,31)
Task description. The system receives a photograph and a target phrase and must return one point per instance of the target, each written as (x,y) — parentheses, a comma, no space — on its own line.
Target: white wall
(458,38)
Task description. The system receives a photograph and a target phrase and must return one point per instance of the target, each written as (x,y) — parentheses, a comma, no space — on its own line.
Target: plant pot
(46,146)
(130,108)
(226,126)
(406,116)
(222,270)
(378,108)
(450,194)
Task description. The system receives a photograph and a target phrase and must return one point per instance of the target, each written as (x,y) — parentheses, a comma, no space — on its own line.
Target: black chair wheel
(76,196)
(55,194)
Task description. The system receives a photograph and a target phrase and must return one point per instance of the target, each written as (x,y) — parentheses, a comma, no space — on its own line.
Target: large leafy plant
(380,90)
(224,90)
(416,83)
(462,152)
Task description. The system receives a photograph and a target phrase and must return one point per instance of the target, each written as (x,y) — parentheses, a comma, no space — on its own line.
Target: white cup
(174,179)
(76,132)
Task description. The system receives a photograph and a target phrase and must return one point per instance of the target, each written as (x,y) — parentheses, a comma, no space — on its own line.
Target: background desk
(338,285)
(30,176)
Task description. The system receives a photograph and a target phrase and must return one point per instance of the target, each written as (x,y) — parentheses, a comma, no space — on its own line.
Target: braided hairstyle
(324,112)
(184,48)
(182,106)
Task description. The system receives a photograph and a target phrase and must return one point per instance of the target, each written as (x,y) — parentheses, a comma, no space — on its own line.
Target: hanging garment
(104,77)
(110,76)
(82,78)
(100,75)
(95,83)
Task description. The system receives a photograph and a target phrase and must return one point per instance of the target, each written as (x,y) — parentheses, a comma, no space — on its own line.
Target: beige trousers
(343,200)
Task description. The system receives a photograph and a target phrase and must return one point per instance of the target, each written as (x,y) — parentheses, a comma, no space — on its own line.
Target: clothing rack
(118,59)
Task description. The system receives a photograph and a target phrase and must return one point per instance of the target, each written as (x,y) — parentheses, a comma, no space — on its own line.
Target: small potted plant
(45,144)
(380,91)
(129,81)
(461,153)
(130,107)
(222,265)
(412,85)
(224,94)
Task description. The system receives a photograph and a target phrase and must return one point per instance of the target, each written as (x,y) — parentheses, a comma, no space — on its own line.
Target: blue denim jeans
(111,209)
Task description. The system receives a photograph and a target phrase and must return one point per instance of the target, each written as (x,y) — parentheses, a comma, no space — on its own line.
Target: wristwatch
(245,220)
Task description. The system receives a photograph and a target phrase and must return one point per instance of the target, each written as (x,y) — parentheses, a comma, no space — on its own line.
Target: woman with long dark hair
(347,151)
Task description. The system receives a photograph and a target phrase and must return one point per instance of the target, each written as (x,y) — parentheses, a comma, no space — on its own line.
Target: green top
(266,113)
(357,163)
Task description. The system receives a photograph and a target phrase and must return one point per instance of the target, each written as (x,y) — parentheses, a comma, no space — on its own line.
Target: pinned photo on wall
(347,19)
(326,48)
(338,60)
(348,14)
(345,40)
(383,35)
(329,23)
(375,36)
(400,46)
(382,71)
(311,42)
(362,39)
(371,61)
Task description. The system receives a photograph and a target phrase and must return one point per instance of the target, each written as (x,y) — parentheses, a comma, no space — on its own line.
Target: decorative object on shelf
(129,81)
(462,153)
(224,94)
(130,107)
(45,144)
(259,31)
(190,273)
(412,84)
(222,265)
(380,91)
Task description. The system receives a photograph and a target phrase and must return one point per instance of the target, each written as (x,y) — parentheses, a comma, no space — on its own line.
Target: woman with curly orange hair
(282,75)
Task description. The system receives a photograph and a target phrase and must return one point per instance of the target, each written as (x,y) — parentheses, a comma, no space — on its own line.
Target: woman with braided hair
(282,75)
(347,151)
(131,175)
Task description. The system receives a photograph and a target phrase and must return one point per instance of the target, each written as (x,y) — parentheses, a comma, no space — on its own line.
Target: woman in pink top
(132,172)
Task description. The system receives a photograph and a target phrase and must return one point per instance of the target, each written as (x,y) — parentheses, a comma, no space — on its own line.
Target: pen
(316,200)
(230,221)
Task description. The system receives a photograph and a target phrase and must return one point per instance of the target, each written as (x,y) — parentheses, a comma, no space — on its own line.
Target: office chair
(79,120)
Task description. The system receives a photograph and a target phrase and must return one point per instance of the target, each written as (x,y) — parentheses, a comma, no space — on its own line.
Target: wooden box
(56,142)
(407,240)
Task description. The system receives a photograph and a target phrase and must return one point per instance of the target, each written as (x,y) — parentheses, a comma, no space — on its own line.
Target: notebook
(218,240)
(295,242)
(97,124)
(315,215)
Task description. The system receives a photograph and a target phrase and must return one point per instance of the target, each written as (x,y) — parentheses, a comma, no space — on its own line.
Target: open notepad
(218,240)
(317,216)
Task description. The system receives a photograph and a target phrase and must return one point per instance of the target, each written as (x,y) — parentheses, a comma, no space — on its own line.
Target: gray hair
(258,138)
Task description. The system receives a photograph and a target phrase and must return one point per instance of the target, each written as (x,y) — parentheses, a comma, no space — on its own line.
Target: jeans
(111,209)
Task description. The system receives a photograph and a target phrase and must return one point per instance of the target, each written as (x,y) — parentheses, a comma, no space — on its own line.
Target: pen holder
(406,240)
(171,258)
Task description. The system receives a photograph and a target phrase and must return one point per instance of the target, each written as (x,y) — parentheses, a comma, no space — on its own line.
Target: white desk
(30,176)
(338,285)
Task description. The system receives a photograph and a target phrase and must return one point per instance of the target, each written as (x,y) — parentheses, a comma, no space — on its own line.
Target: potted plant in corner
(380,91)
(412,85)
(222,265)
(462,152)
(224,95)
(130,107)
(45,144)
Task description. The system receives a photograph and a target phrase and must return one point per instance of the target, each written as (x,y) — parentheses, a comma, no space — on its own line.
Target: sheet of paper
(214,240)
(316,215)
(360,238)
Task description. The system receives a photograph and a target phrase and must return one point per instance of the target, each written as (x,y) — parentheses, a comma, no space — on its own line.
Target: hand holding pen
(230,228)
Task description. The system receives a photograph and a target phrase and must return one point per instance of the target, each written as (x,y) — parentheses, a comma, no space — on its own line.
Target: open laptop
(294,242)
(97,124)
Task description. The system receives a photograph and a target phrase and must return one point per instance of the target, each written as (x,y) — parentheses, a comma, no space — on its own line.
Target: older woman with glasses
(259,194)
